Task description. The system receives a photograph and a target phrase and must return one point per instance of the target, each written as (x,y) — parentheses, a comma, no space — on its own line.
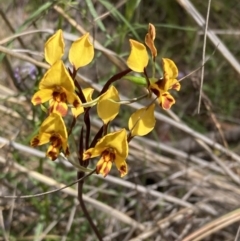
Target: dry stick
(6,61)
(181,154)
(188,6)
(13,36)
(70,191)
(222,32)
(164,223)
(104,15)
(8,23)
(203,55)
(214,226)
(217,125)
(196,135)
(114,235)
(10,218)
(187,144)
(238,234)
(143,189)
(45,232)
(228,171)
(2,224)
(207,104)
(46,193)
(69,223)
(23,57)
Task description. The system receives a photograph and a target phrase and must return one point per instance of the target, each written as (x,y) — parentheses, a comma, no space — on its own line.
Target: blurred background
(183,177)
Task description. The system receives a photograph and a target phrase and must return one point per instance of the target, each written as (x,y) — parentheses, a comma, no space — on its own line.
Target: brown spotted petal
(166,101)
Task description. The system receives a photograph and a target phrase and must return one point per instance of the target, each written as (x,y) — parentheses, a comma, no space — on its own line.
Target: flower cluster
(138,60)
(64,95)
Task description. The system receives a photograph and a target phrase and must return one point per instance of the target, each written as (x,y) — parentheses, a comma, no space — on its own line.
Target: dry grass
(183,182)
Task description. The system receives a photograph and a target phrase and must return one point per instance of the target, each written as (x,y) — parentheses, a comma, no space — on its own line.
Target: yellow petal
(88,93)
(60,108)
(142,121)
(65,148)
(57,76)
(172,84)
(89,153)
(169,69)
(112,148)
(107,109)
(176,85)
(115,140)
(138,58)
(81,52)
(73,99)
(42,96)
(149,39)
(53,152)
(121,166)
(52,130)
(40,139)
(54,47)
(79,109)
(166,101)
(103,167)
(165,85)
(54,124)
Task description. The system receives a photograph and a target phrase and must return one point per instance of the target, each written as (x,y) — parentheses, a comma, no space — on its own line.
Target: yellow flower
(80,54)
(160,88)
(165,99)
(170,73)
(113,148)
(52,130)
(57,87)
(142,121)
(108,106)
(138,60)
(54,47)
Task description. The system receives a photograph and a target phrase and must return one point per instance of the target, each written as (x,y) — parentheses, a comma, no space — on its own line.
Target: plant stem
(82,204)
